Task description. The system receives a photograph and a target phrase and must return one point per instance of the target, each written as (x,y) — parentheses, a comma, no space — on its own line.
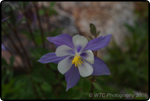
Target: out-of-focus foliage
(141,10)
(132,62)
(128,64)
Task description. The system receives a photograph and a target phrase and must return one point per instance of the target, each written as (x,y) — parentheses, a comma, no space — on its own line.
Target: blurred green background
(24,36)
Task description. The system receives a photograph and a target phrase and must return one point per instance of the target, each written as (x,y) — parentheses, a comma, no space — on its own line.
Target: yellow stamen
(77,60)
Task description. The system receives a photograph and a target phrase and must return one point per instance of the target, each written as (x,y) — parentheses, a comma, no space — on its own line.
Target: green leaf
(93,29)
(54,32)
(52,12)
(98,33)
(37,79)
(11,74)
(38,52)
(53,66)
(10,9)
(90,38)
(4,63)
(8,89)
(52,4)
(46,87)
(27,87)
(26,4)
(20,4)
(97,87)
(86,86)
(41,12)
(77,97)
(48,75)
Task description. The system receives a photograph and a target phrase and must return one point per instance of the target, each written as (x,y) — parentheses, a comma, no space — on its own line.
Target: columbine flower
(75,58)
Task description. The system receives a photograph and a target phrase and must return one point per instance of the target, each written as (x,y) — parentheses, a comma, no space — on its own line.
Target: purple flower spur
(75,57)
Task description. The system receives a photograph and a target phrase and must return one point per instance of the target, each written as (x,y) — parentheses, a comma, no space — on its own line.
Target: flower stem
(40,26)
(50,68)
(95,53)
(92,89)
(93,77)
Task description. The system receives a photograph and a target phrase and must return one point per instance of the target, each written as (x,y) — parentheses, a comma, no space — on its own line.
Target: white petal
(88,56)
(79,41)
(85,69)
(64,65)
(63,50)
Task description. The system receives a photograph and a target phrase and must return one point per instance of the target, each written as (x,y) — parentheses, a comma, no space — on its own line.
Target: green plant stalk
(29,27)
(48,22)
(31,33)
(40,26)
(28,60)
(16,35)
(47,17)
(14,45)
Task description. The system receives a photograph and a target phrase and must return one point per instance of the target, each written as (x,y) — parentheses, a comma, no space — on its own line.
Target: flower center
(77,60)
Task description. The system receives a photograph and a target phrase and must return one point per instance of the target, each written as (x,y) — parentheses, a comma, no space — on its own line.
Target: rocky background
(108,17)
